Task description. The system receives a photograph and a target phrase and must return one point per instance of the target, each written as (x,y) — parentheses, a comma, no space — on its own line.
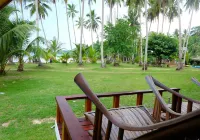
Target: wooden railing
(71,128)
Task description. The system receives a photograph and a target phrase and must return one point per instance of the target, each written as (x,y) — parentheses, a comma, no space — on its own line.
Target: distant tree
(162,47)
(120,37)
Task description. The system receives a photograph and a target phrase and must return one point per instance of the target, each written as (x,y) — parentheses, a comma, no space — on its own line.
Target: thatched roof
(3,3)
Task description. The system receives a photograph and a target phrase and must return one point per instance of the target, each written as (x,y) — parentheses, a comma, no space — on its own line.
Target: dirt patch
(6,124)
(45,120)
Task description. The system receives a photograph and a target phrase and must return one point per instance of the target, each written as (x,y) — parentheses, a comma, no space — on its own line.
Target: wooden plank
(139,99)
(111,94)
(58,115)
(88,105)
(64,132)
(73,126)
(88,127)
(116,100)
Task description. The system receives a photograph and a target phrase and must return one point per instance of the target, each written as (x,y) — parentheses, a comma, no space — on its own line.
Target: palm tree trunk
(21,63)
(37,23)
(150,26)
(180,65)
(158,23)
(146,47)
(80,55)
(141,53)
(16,11)
(74,29)
(187,36)
(21,5)
(117,10)
(91,24)
(163,19)
(45,37)
(110,11)
(68,26)
(169,27)
(102,36)
(57,22)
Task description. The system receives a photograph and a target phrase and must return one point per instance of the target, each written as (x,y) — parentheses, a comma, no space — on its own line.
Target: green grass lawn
(30,95)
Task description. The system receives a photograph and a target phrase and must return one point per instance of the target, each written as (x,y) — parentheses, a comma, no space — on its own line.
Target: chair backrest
(101,110)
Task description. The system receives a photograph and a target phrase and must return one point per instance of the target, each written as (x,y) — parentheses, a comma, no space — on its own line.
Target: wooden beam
(3,3)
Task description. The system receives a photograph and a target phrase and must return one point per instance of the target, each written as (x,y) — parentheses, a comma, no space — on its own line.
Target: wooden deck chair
(180,103)
(136,122)
(195,81)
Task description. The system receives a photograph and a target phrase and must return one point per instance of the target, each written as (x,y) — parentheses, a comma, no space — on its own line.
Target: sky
(50,23)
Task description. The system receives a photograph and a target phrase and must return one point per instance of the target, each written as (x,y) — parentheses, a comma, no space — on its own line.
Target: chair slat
(120,134)
(108,130)
(174,102)
(139,99)
(97,125)
(116,100)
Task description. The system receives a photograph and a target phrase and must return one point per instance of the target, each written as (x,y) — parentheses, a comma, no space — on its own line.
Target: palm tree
(151,16)
(72,13)
(146,47)
(138,4)
(180,65)
(92,23)
(10,34)
(82,24)
(55,47)
(21,6)
(78,24)
(111,4)
(54,2)
(190,5)
(172,13)
(89,3)
(42,8)
(70,41)
(102,36)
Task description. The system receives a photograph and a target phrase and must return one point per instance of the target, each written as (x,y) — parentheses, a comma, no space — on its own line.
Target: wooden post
(116,100)
(139,99)
(88,105)
(189,107)
(58,115)
(174,102)
(179,104)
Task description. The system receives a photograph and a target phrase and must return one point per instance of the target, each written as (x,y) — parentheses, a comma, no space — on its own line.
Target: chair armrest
(159,97)
(157,83)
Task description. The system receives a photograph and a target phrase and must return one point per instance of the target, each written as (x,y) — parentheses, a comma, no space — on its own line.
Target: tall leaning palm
(72,13)
(81,36)
(70,41)
(190,5)
(55,4)
(102,36)
(92,23)
(180,65)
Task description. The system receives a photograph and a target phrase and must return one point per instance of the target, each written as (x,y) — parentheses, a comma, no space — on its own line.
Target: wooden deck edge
(57,131)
